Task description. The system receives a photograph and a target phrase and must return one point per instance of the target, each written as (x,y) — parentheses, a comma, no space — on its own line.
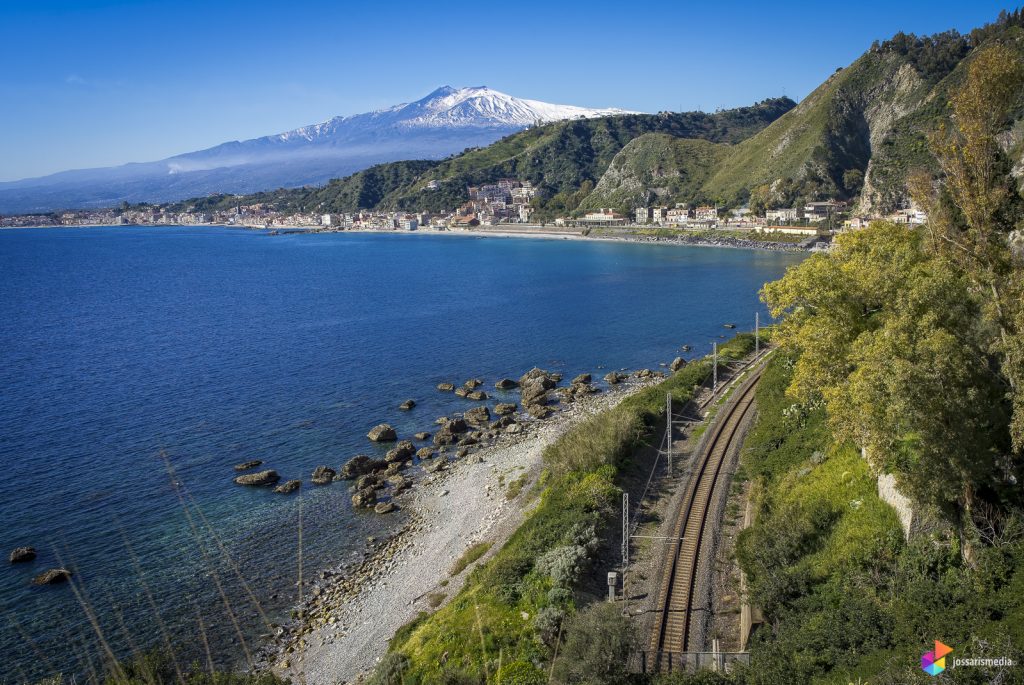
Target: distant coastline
(705,239)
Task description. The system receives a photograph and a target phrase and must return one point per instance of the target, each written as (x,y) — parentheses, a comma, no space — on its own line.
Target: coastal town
(507,203)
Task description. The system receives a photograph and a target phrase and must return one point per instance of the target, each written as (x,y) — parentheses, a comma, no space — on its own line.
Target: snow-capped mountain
(446,121)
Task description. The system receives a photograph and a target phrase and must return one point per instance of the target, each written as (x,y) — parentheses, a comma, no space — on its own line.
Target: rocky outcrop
(478,395)
(360,465)
(382,433)
(538,411)
(425,453)
(322,475)
(402,451)
(268,477)
(506,384)
(370,480)
(677,363)
(21,555)
(422,436)
(288,487)
(52,576)
(504,409)
(246,465)
(399,484)
(445,387)
(407,405)
(472,384)
(457,425)
(583,378)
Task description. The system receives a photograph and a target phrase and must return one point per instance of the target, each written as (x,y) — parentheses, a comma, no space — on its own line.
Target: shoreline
(682,240)
(354,610)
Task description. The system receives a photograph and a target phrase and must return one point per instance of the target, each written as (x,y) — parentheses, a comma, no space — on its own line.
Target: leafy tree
(853,180)
(598,644)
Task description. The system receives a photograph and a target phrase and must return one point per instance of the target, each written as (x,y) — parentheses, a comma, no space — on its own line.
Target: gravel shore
(353,612)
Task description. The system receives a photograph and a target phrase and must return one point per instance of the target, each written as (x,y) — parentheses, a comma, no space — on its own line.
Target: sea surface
(138,365)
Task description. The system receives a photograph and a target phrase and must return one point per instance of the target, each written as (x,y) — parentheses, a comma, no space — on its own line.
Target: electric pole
(714,367)
(668,430)
(757,333)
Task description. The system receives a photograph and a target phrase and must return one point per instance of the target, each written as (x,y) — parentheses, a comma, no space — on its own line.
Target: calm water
(133,356)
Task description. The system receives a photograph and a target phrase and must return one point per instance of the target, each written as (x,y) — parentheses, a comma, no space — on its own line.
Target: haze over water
(131,354)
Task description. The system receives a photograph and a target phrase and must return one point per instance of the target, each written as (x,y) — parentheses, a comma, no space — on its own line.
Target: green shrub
(599,641)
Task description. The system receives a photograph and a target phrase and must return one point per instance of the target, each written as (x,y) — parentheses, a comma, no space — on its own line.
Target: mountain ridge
(445,121)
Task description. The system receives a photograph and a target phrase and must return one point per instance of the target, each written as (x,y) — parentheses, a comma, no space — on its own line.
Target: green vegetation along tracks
(672,631)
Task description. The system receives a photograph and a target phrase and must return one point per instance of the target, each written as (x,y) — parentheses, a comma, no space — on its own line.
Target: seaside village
(509,202)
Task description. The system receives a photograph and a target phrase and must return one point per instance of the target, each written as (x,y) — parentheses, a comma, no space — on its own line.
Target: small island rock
(268,477)
(382,433)
(22,554)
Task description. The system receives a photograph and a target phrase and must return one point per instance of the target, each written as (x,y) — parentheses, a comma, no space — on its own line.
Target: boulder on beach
(462,452)
(366,497)
(425,453)
(502,421)
(644,374)
(360,465)
(506,384)
(322,475)
(538,411)
(677,363)
(382,433)
(478,395)
(504,409)
(288,487)
(478,415)
(52,576)
(583,378)
(445,387)
(423,435)
(407,405)
(400,484)
(435,466)
(401,451)
(22,554)
(468,440)
(385,508)
(614,378)
(534,392)
(246,465)
(472,384)
(268,477)
(513,428)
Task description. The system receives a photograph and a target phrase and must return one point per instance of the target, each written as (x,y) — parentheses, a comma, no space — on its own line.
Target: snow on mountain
(446,121)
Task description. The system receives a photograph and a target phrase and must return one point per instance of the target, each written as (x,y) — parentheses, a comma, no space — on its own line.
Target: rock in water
(445,387)
(478,415)
(268,477)
(506,384)
(456,425)
(582,378)
(729,325)
(407,405)
(382,433)
(677,363)
(422,436)
(322,475)
(366,497)
(360,465)
(385,508)
(288,487)
(473,384)
(23,554)
(246,465)
(614,378)
(504,409)
(52,577)
(425,453)
(478,395)
(461,392)
(403,450)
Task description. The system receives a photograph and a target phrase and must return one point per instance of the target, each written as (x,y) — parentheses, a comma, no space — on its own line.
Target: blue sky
(110,81)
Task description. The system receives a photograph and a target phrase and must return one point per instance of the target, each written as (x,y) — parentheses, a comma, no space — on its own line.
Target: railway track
(673,627)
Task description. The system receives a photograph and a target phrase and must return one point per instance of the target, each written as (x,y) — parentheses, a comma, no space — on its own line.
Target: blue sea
(138,365)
